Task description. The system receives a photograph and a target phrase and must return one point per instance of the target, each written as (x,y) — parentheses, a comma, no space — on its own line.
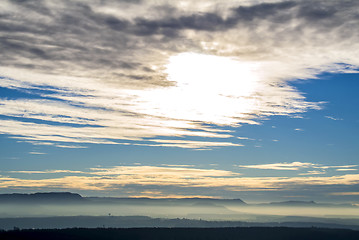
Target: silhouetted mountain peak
(57,195)
(294,203)
(41,197)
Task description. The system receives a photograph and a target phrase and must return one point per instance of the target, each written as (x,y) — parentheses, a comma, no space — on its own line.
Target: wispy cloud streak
(110,179)
(296,166)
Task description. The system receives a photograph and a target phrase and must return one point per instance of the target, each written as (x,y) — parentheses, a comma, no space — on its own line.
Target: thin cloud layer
(280,166)
(295,166)
(112,72)
(171,180)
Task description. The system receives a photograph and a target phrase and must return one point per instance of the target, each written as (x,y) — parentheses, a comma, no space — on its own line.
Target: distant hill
(64,198)
(68,197)
(48,197)
(166,201)
(306,204)
(294,203)
(74,197)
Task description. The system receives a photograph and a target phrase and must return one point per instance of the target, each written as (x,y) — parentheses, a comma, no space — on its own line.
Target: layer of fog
(238,212)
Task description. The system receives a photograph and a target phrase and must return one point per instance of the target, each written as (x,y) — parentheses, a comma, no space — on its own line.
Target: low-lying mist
(206,211)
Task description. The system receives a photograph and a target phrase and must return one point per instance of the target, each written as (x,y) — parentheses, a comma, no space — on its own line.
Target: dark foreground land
(251,233)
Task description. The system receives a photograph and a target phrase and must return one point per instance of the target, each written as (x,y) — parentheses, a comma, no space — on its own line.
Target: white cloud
(312,173)
(346,169)
(36,153)
(334,118)
(243,138)
(46,171)
(345,194)
(299,129)
(340,166)
(112,178)
(169,171)
(190,144)
(68,146)
(246,138)
(126,78)
(296,166)
(280,166)
(177,165)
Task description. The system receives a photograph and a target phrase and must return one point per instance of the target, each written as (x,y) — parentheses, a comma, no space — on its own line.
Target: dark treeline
(148,222)
(251,233)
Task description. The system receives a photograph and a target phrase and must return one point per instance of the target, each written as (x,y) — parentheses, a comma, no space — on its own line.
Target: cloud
(295,166)
(312,173)
(69,146)
(105,72)
(46,171)
(36,153)
(159,194)
(189,144)
(280,166)
(179,172)
(246,138)
(333,118)
(243,138)
(298,129)
(177,165)
(338,167)
(165,178)
(345,194)
(346,169)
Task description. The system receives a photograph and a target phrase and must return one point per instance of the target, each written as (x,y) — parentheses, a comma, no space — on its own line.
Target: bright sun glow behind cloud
(207,88)
(209,74)
(150,80)
(201,89)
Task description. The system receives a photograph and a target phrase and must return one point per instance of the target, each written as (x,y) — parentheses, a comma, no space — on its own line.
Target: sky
(226,99)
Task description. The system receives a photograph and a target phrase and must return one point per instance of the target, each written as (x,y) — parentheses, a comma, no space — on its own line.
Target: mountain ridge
(68,196)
